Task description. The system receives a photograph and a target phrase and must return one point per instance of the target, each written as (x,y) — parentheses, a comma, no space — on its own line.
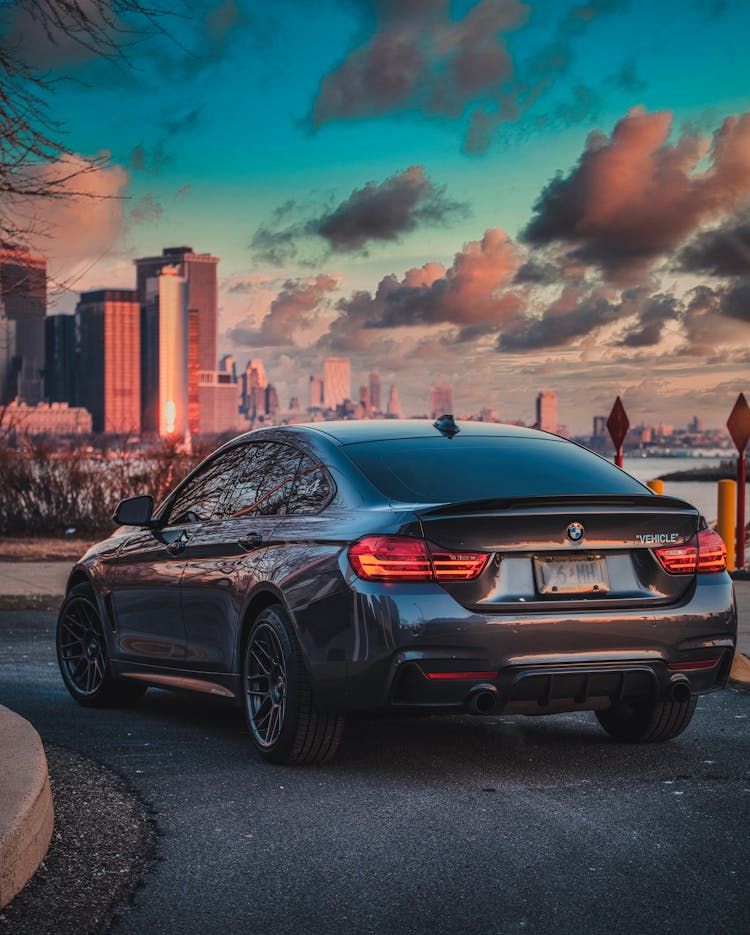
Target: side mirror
(135,511)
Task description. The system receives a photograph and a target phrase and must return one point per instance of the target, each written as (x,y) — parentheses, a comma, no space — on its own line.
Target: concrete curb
(26,812)
(739,676)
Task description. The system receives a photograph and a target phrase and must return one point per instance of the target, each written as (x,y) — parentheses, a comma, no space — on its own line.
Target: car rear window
(440,470)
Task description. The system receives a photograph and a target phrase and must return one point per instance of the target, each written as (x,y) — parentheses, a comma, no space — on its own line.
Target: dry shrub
(44,491)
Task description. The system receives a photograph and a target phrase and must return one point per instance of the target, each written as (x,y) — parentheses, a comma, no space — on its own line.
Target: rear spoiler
(651,501)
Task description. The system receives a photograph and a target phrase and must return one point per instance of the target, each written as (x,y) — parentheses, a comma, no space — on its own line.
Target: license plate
(571,575)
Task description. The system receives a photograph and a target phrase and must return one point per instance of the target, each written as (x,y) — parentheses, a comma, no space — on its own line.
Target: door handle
(251,541)
(178,545)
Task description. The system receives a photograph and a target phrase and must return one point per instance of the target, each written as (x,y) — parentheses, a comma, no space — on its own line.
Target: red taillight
(704,552)
(462,676)
(398,558)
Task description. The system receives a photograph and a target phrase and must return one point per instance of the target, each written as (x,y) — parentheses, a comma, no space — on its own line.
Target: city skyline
(541,196)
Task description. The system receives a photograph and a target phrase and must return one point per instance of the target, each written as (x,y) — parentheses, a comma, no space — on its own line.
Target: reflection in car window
(199,497)
(263,481)
(311,490)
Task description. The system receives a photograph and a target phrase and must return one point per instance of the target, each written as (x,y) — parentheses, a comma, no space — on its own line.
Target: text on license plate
(587,574)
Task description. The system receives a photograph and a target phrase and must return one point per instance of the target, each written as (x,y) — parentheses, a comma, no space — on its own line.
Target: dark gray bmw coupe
(310,570)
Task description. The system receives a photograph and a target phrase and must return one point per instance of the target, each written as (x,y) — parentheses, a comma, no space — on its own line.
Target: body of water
(702,494)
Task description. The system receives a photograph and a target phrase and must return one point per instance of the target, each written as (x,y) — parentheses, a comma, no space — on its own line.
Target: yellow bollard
(726,512)
(656,485)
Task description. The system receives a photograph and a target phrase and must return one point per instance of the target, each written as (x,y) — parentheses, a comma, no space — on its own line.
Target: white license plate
(571,575)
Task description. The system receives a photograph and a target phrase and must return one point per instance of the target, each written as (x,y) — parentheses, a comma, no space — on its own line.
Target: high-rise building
(8,359)
(546,411)
(166,315)
(272,401)
(253,389)
(375,399)
(60,362)
(336,381)
(219,399)
(23,291)
(109,333)
(228,364)
(364,399)
(394,407)
(316,394)
(193,366)
(257,372)
(257,406)
(441,400)
(600,426)
(198,270)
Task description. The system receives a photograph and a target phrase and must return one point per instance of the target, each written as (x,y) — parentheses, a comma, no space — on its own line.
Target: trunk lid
(573,551)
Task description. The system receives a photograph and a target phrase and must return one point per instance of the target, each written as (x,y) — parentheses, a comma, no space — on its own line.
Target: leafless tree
(31,139)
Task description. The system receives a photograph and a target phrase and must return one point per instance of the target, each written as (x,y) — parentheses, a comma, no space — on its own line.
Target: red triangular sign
(618,424)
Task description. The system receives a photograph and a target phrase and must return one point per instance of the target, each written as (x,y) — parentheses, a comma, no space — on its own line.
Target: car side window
(263,481)
(311,490)
(197,500)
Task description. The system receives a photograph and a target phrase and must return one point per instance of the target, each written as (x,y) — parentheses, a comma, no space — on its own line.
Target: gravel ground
(103,839)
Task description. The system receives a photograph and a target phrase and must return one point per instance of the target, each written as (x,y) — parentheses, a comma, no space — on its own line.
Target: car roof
(349,432)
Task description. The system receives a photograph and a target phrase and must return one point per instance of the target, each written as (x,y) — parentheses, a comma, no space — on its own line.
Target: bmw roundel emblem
(575,532)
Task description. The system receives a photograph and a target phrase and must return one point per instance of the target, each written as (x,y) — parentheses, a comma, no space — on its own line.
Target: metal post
(618,457)
(726,513)
(741,480)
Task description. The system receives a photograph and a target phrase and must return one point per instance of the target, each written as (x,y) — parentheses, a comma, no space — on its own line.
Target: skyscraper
(441,400)
(198,270)
(8,360)
(23,291)
(375,399)
(109,329)
(394,407)
(336,381)
(167,318)
(546,411)
(60,363)
(316,395)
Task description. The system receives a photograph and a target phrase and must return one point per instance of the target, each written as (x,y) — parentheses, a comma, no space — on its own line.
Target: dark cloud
(146,209)
(472,292)
(723,251)
(151,160)
(634,197)
(420,57)
(277,247)
(377,212)
(294,308)
(384,212)
(736,301)
(653,312)
(571,316)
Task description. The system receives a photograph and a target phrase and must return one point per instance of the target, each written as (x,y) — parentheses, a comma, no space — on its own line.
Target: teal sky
(212,130)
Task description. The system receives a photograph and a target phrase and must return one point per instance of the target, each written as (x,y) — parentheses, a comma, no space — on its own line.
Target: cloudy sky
(505,196)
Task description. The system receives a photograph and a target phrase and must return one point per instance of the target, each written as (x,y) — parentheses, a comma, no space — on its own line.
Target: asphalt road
(460,825)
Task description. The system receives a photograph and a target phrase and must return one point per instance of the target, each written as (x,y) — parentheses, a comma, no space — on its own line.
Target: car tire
(83,657)
(647,722)
(284,722)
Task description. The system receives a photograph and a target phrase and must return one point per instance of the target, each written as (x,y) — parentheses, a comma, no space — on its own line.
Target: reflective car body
(271,520)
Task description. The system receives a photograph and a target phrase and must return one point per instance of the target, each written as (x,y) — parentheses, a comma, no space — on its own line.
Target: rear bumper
(535,664)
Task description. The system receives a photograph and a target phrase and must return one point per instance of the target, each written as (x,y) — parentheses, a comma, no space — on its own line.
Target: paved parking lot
(420,825)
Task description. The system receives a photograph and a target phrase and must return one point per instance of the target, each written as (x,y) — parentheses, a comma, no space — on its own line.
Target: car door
(224,555)
(146,598)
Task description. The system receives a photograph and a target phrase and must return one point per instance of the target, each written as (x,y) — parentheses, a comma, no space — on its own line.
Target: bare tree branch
(30,138)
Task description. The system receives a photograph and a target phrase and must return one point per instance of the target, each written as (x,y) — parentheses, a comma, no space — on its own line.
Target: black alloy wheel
(265,686)
(285,724)
(82,654)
